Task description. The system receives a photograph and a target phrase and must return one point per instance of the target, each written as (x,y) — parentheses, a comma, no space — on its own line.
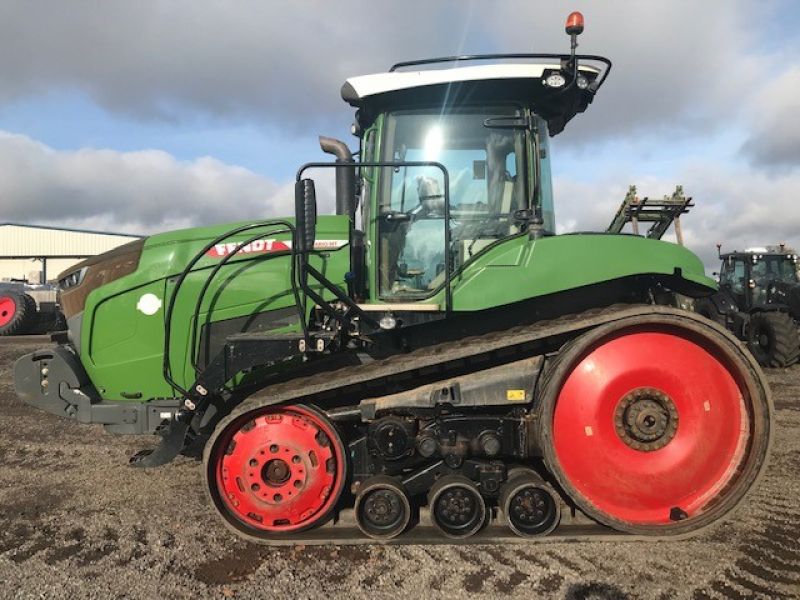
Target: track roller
(382,508)
(530,505)
(457,507)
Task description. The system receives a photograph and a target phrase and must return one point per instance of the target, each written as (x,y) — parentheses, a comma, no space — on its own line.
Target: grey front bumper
(54,380)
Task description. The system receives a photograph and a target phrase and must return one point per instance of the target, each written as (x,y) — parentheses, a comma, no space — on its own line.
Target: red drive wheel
(8,308)
(276,470)
(658,425)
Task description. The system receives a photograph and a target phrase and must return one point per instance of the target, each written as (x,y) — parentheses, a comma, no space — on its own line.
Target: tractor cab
(468,149)
(453,162)
(753,276)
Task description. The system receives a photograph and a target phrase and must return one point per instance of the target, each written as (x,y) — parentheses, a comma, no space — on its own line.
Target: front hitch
(173,439)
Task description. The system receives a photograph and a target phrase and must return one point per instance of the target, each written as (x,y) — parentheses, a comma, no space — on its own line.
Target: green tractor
(432,360)
(759,301)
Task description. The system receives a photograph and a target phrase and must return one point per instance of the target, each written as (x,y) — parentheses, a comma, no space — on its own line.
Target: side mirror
(305,210)
(523,214)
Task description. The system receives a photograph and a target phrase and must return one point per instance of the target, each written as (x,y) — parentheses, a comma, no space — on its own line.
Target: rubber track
(426,360)
(575,526)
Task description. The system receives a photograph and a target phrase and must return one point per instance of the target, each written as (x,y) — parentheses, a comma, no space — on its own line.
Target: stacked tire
(17,313)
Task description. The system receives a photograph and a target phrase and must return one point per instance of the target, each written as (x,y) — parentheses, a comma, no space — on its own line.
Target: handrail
(166,365)
(215,270)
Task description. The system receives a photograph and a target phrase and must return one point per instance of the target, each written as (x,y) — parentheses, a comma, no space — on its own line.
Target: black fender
(724,302)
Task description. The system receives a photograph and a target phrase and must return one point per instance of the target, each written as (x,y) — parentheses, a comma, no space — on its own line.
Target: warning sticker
(515,395)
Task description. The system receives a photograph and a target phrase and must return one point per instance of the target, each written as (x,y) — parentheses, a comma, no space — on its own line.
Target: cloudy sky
(141,116)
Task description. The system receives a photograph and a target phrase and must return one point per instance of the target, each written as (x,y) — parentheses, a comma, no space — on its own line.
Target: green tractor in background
(759,301)
(432,359)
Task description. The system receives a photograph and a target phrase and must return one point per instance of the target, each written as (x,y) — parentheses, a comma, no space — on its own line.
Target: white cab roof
(357,88)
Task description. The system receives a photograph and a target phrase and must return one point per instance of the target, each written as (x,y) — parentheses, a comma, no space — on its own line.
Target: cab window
(732,275)
(486,190)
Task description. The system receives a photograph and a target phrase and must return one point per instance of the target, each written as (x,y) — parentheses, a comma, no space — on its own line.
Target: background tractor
(27,309)
(759,301)
(432,360)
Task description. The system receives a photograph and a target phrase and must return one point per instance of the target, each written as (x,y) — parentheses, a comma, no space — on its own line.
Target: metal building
(39,253)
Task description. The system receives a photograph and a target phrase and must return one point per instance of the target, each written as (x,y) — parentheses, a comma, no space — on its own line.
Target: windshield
(487,187)
(774,268)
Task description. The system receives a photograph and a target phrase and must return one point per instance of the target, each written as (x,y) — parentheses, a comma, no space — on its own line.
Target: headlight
(72,279)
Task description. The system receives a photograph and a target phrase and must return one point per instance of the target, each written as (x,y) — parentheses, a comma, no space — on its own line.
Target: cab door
(733,277)
(419,238)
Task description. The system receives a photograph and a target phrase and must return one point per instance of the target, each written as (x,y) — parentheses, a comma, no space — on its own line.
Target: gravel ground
(77,522)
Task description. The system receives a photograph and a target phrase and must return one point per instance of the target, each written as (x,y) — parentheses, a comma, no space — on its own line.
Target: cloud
(682,67)
(774,139)
(137,192)
(251,60)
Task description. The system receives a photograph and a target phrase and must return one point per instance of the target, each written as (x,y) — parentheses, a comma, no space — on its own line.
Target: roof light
(555,80)
(582,82)
(574,23)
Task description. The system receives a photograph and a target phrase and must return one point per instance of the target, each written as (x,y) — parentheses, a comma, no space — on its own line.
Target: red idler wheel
(276,470)
(655,424)
(8,308)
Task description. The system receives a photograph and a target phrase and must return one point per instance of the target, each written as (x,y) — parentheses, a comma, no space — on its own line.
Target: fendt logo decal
(268,247)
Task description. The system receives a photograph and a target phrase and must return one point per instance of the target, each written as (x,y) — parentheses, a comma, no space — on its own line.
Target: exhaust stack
(345,175)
